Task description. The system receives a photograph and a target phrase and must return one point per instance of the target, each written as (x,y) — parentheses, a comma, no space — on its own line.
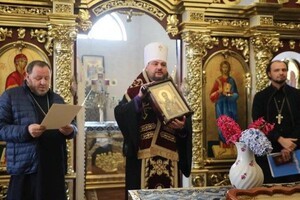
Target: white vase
(245,173)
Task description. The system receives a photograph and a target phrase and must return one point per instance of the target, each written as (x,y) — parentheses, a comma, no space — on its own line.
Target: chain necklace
(279,117)
(37,103)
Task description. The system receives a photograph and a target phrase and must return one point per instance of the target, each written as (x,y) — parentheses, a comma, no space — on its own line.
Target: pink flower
(231,131)
(254,137)
(262,125)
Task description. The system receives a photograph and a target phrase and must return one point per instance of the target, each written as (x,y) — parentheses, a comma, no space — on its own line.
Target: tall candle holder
(97,99)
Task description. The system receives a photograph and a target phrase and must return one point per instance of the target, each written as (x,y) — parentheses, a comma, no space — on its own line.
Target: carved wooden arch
(161,13)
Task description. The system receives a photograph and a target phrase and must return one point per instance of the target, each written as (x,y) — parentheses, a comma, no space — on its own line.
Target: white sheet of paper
(60,115)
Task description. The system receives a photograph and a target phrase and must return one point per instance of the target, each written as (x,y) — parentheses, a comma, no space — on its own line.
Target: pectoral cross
(279,117)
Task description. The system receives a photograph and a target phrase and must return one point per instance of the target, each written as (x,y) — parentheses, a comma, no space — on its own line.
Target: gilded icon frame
(241,73)
(94,65)
(167,101)
(10,50)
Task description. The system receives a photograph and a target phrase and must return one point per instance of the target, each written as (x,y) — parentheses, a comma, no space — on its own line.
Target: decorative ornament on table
(245,172)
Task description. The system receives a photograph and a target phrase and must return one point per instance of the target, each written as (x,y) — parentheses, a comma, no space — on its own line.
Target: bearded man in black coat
(279,103)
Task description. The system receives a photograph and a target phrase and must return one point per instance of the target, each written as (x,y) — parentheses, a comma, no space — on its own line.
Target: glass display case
(105,164)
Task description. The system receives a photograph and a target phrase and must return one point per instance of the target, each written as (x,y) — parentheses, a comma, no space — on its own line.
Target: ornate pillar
(264,45)
(196,45)
(62,32)
(63,36)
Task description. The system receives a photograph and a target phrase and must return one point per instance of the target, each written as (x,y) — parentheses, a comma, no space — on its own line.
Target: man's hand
(178,124)
(286,155)
(36,130)
(144,90)
(287,143)
(66,130)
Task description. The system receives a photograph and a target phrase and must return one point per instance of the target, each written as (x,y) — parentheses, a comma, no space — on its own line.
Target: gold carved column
(64,36)
(196,45)
(62,32)
(264,45)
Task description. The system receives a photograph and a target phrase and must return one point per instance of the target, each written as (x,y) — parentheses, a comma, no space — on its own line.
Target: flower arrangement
(255,137)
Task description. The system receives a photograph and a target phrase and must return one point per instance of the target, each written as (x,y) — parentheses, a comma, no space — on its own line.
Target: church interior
(95,48)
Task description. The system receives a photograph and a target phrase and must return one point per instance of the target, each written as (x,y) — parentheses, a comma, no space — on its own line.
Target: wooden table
(275,192)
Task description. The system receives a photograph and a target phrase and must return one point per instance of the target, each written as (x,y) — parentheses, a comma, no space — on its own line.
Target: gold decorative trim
(225,41)
(172,25)
(158,151)
(84,22)
(42,36)
(147,127)
(21,33)
(63,8)
(168,136)
(199,180)
(70,169)
(292,44)
(196,16)
(218,178)
(9,9)
(158,167)
(287,25)
(39,34)
(242,45)
(137,4)
(248,80)
(130,13)
(110,161)
(266,20)
(105,181)
(228,22)
(4,33)
(3,191)
(20,44)
(147,135)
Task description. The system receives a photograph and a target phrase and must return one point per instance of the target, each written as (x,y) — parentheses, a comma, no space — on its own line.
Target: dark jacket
(264,106)
(17,112)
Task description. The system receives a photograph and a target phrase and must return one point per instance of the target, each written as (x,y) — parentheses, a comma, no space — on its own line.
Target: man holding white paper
(36,157)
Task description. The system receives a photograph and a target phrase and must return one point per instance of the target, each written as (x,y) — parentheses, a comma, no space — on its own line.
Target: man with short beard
(279,103)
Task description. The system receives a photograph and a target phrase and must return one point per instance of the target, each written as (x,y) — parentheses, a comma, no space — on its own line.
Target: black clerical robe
(131,122)
(269,103)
